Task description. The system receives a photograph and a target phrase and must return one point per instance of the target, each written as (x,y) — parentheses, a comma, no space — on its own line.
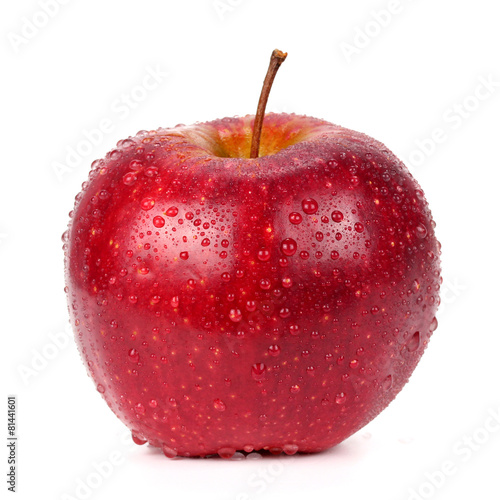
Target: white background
(412,76)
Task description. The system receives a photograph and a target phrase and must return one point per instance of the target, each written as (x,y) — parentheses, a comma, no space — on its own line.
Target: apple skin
(223,303)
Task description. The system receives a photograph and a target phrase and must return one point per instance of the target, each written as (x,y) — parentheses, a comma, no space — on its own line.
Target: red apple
(225,303)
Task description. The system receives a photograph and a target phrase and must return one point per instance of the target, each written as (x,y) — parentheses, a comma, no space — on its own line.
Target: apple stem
(277,57)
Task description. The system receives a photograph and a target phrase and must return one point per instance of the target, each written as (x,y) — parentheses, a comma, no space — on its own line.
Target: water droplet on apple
(334,255)
(125,143)
(413,342)
(354,363)
(184,255)
(295,218)
(114,155)
(151,171)
(309,206)
(295,389)
(264,255)
(251,305)
(101,388)
(274,350)
(65,236)
(248,448)
(294,329)
(285,312)
(290,449)
(319,236)
(434,324)
(172,211)
(337,216)
(147,203)
(205,242)
(219,405)
(289,246)
(158,221)
(235,315)
(421,231)
(138,439)
(258,371)
(265,284)
(226,452)
(358,227)
(387,383)
(169,452)
(136,164)
(139,408)
(133,355)
(340,398)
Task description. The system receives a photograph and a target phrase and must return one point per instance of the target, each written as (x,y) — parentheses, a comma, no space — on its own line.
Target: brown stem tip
(277,57)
